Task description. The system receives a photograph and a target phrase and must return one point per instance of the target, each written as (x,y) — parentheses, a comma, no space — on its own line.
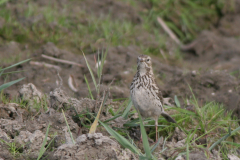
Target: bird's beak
(141,60)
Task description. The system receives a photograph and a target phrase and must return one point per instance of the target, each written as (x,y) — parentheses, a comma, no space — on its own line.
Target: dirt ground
(210,66)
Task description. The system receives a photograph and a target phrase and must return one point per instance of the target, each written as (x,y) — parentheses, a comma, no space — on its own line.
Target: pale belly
(146,102)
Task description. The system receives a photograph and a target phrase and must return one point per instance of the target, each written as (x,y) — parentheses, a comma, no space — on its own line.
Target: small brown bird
(145,94)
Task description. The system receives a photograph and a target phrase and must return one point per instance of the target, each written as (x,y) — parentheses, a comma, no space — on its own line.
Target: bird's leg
(156,126)
(140,129)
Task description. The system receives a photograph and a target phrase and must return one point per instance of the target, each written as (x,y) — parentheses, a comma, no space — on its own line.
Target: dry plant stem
(43,64)
(62,60)
(94,125)
(169,31)
(183,47)
(70,83)
(188,47)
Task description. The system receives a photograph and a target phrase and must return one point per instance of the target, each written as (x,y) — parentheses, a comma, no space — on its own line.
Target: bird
(145,94)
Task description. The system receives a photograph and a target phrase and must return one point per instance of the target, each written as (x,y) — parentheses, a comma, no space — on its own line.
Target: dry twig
(62,61)
(43,64)
(183,47)
(169,31)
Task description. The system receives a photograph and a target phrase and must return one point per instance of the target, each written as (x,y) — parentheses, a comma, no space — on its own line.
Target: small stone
(98,142)
(180,158)
(81,139)
(194,73)
(126,72)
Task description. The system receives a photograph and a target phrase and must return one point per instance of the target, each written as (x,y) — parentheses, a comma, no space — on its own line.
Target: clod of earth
(92,146)
(30,142)
(28,133)
(31,95)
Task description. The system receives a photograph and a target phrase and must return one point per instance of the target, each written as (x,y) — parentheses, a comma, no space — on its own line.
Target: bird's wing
(157,91)
(164,114)
(160,96)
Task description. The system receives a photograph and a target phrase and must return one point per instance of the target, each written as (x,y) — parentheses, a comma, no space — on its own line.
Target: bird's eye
(148,60)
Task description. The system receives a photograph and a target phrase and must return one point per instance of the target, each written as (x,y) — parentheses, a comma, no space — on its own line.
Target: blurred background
(207,58)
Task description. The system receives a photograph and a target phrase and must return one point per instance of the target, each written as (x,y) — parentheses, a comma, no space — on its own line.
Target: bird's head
(144,64)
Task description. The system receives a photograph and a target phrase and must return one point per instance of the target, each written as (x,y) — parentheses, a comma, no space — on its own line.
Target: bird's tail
(168,117)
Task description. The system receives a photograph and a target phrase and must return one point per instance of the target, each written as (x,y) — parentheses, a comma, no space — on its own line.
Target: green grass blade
(123,141)
(184,111)
(103,58)
(68,127)
(206,106)
(222,139)
(121,106)
(235,130)
(129,106)
(215,116)
(90,70)
(43,149)
(135,122)
(1,72)
(177,101)
(190,137)
(155,146)
(175,29)
(232,143)
(2,87)
(187,154)
(205,133)
(98,68)
(132,123)
(144,138)
(119,99)
(111,119)
(15,64)
(13,72)
(195,99)
(89,89)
